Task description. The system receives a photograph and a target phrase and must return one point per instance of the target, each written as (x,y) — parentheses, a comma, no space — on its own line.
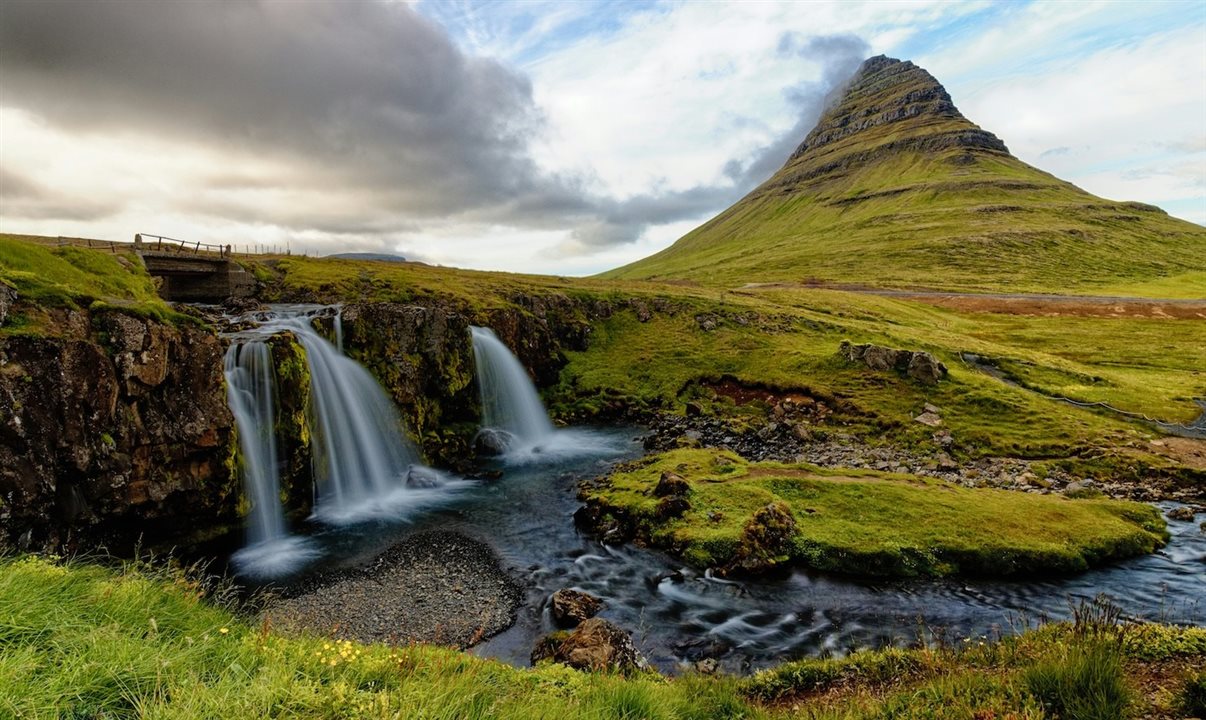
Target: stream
(677,616)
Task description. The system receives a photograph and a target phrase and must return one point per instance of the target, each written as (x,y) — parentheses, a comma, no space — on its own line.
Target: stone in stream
(423,477)
(492,441)
(595,645)
(1184,513)
(570,607)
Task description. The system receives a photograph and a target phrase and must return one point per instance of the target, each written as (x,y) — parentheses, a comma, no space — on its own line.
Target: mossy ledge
(717,510)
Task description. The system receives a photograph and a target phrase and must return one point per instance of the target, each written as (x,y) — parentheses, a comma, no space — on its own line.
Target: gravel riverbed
(436,587)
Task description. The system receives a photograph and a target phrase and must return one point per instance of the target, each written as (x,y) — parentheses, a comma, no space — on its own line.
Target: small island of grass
(717,510)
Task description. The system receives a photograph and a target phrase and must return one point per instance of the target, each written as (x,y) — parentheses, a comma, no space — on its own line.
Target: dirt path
(1026,303)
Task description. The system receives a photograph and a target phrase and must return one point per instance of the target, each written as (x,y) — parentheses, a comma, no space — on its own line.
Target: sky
(543,136)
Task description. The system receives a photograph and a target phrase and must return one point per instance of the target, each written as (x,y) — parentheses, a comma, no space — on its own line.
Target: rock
(707,323)
(925,368)
(672,507)
(671,484)
(491,441)
(932,408)
(765,540)
(570,607)
(1184,513)
(928,418)
(596,645)
(419,476)
(8,297)
(693,409)
(707,666)
(916,364)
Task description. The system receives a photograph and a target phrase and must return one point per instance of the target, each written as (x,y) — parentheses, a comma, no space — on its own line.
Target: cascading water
(251,392)
(361,459)
(509,399)
(364,467)
(515,423)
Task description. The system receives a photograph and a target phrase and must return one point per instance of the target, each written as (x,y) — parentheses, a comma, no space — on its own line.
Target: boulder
(765,541)
(571,607)
(671,484)
(8,297)
(918,365)
(1184,513)
(596,644)
(672,507)
(422,477)
(491,441)
(928,418)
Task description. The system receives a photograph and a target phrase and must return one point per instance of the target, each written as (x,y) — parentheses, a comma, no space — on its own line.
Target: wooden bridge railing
(159,243)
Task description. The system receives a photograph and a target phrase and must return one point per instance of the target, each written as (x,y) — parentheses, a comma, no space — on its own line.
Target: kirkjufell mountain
(895,187)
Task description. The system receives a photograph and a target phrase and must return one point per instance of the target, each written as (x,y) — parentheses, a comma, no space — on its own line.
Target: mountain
(894,187)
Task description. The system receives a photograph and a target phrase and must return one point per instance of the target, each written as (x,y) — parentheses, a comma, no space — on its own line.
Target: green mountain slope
(894,187)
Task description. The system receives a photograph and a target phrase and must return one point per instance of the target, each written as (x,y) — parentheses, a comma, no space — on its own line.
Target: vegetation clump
(753,516)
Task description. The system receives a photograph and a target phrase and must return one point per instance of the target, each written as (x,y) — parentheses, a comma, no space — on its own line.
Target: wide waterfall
(515,423)
(251,392)
(364,467)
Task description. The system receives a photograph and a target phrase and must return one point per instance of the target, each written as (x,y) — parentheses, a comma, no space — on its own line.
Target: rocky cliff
(112,427)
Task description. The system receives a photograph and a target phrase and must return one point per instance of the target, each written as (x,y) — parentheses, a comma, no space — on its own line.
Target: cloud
(21,197)
(362,121)
(366,103)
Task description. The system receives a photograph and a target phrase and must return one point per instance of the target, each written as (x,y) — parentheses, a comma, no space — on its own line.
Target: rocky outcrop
(571,607)
(112,427)
(886,91)
(916,364)
(595,645)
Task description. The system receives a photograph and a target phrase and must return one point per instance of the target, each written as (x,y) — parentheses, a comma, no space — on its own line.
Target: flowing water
(512,410)
(364,466)
(675,614)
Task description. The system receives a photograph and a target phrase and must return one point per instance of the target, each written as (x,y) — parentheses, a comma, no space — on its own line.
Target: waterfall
(251,392)
(363,465)
(360,455)
(509,399)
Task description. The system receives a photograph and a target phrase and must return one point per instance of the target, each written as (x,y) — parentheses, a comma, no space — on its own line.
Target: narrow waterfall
(251,392)
(509,400)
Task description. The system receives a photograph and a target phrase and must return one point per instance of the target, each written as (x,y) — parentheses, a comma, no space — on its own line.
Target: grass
(73,278)
(1085,682)
(147,641)
(871,523)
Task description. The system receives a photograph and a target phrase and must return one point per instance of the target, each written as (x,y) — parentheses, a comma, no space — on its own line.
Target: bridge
(193,271)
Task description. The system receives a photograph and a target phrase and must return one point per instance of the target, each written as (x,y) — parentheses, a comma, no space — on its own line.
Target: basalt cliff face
(112,427)
(895,187)
(115,428)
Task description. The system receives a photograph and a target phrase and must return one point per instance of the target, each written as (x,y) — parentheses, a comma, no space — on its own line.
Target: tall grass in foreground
(85,641)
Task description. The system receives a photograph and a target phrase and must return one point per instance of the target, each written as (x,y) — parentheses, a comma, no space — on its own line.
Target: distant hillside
(383,257)
(894,187)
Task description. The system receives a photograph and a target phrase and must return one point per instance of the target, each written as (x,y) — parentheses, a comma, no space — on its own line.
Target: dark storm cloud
(366,102)
(23,198)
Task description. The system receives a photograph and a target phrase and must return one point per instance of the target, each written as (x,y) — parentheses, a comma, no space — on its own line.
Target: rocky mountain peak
(886,91)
